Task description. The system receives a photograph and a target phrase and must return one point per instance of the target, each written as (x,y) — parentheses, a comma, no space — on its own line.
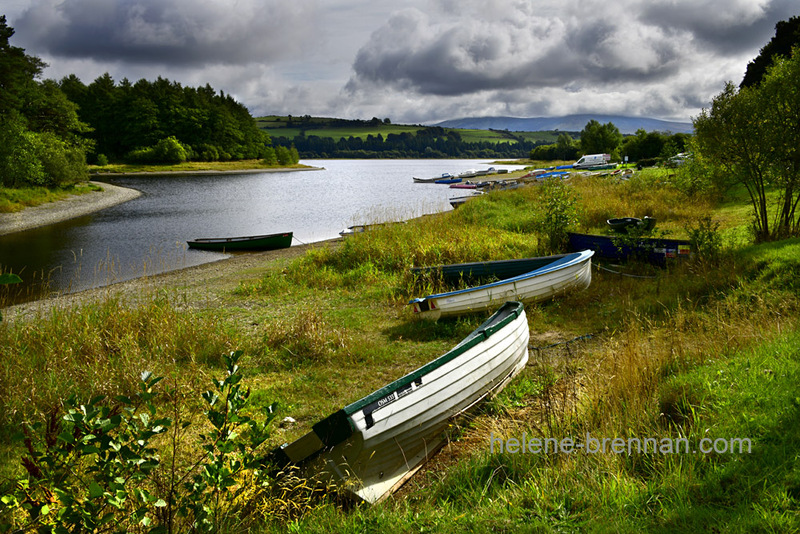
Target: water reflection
(148,235)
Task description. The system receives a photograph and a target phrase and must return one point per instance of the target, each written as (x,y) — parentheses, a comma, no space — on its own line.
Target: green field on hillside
(290,127)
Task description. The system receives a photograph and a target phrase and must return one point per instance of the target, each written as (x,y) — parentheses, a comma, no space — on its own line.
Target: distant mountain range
(567,123)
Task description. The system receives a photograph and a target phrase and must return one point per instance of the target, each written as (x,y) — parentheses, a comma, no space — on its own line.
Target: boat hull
(373,445)
(565,273)
(229,244)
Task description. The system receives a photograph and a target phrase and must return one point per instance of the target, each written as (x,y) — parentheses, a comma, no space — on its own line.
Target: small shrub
(91,469)
(705,240)
(560,212)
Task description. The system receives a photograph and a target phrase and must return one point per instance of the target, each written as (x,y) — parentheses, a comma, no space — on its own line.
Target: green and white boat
(375,444)
(527,280)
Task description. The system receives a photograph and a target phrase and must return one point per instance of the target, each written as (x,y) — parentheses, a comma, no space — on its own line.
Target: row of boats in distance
(593,163)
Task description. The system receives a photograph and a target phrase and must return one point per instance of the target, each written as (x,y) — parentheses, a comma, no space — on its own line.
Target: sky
(415,61)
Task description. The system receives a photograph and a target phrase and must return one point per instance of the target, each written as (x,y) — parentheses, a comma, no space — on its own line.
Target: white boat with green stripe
(375,444)
(546,278)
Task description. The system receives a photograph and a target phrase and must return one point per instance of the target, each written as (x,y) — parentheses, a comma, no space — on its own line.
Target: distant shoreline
(111,195)
(205,172)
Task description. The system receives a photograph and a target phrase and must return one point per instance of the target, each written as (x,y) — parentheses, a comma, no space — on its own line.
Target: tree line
(596,138)
(42,140)
(428,142)
(49,129)
(163,122)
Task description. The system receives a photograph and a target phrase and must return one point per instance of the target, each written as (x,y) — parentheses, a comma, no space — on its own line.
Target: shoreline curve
(66,209)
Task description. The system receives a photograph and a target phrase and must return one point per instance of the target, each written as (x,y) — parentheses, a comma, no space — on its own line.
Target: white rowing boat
(558,275)
(375,444)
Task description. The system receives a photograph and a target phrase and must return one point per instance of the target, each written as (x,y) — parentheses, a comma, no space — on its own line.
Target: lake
(148,235)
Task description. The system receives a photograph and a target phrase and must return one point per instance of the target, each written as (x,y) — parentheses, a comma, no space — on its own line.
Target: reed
(99,349)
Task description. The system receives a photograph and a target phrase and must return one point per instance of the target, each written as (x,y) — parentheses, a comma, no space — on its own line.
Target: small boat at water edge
(255,242)
(444,176)
(620,248)
(457,201)
(372,446)
(527,280)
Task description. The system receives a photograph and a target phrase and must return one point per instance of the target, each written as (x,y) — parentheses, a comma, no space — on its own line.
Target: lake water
(148,235)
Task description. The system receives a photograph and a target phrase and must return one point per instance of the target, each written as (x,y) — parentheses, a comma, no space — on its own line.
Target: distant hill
(567,123)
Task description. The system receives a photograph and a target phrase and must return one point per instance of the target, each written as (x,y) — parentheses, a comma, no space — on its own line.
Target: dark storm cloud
(627,42)
(182,32)
(414,51)
(730,28)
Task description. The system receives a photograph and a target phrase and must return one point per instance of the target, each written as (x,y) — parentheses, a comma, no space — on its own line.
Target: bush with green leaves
(96,467)
(560,212)
(167,150)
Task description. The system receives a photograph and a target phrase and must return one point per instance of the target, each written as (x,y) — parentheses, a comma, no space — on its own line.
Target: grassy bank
(705,349)
(17,199)
(13,200)
(189,166)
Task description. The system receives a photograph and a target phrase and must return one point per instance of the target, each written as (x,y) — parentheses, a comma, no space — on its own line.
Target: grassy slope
(704,350)
(277,126)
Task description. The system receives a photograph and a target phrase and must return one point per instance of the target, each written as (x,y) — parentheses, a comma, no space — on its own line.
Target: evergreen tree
(787,35)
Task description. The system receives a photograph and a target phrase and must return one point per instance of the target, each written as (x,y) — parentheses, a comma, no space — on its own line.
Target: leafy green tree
(20,165)
(39,127)
(754,135)
(565,147)
(599,138)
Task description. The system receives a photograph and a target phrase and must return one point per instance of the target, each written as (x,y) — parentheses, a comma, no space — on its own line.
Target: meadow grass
(703,349)
(17,199)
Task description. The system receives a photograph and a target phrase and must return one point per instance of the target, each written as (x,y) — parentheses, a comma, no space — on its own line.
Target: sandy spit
(69,208)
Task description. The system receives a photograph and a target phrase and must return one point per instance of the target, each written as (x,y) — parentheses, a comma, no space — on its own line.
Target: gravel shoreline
(200,286)
(69,208)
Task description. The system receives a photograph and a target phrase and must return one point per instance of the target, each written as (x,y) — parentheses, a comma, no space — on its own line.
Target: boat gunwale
(504,316)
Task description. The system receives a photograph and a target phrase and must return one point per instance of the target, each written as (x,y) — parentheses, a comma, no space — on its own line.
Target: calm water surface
(148,235)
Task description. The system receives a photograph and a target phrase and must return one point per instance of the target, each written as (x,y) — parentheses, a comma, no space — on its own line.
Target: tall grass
(649,192)
(99,349)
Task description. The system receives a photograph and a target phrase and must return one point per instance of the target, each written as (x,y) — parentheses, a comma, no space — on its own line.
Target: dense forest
(41,138)
(49,129)
(164,122)
(427,142)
